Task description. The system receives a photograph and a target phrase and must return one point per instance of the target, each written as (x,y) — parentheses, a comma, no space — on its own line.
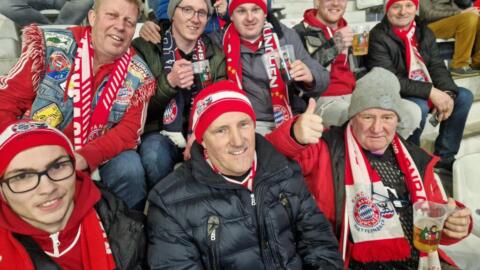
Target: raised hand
(308,128)
(181,75)
(150,31)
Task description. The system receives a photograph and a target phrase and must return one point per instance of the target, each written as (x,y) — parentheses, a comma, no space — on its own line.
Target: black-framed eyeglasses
(27,181)
(382,199)
(189,12)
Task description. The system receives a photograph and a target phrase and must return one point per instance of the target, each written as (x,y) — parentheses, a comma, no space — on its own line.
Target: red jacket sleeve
(123,136)
(315,163)
(305,155)
(18,87)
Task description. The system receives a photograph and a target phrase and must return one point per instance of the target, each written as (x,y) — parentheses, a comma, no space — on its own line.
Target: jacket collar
(271,166)
(386,27)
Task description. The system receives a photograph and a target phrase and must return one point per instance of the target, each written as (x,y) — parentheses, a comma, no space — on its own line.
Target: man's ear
(91,17)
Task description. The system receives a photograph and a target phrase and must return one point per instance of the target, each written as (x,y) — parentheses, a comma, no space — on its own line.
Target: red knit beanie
(389,3)
(235,3)
(215,100)
(25,134)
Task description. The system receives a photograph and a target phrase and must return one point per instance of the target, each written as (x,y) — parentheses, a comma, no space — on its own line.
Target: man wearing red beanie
(237,203)
(404,45)
(52,217)
(89,83)
(250,42)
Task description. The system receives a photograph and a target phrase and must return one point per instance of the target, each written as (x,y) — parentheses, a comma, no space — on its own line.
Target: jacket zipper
(212,236)
(265,245)
(55,243)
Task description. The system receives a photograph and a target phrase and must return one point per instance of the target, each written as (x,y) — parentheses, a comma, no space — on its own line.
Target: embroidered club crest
(365,212)
(27,126)
(59,66)
(170,113)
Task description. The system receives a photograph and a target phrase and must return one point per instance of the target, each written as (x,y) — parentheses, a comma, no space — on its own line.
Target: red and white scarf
(88,125)
(247,182)
(377,232)
(278,89)
(417,70)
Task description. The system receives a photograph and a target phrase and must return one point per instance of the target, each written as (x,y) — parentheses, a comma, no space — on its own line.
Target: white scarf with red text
(376,231)
(87,125)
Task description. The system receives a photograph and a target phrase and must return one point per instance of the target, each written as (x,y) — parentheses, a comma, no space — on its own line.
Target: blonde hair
(137,3)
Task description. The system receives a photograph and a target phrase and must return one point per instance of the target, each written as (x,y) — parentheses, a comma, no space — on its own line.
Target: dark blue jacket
(197,220)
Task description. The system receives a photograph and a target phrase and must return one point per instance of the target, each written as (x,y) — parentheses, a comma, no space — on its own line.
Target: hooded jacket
(124,229)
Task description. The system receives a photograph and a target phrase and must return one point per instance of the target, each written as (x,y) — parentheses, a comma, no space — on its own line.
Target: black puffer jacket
(197,220)
(124,229)
(386,50)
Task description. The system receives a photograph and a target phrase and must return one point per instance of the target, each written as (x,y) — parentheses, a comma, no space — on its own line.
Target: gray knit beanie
(380,89)
(174,3)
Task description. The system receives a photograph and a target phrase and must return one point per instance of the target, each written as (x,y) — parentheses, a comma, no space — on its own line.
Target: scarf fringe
(381,250)
(33,44)
(144,93)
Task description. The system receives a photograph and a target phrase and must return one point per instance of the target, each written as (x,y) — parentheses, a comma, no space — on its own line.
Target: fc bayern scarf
(176,109)
(417,70)
(96,252)
(88,125)
(376,231)
(247,182)
(278,89)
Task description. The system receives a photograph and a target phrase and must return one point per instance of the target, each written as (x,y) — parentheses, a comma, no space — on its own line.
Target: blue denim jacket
(53,106)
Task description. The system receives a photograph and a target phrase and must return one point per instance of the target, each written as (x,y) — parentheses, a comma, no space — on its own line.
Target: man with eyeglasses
(253,42)
(366,178)
(185,62)
(52,217)
(89,83)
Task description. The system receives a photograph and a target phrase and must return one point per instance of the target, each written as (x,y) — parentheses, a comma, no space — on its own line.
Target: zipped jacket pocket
(288,207)
(213,226)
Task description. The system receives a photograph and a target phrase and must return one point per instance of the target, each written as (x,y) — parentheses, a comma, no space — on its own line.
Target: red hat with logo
(215,100)
(235,3)
(25,134)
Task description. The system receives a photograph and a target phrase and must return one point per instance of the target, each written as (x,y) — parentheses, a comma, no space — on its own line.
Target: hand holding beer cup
(458,221)
(428,221)
(360,40)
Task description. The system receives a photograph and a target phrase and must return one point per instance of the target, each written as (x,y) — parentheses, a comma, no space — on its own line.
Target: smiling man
(52,217)
(237,203)
(366,178)
(250,40)
(185,62)
(403,44)
(327,37)
(89,83)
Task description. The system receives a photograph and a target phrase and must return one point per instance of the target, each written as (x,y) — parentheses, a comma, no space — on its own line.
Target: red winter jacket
(323,168)
(18,91)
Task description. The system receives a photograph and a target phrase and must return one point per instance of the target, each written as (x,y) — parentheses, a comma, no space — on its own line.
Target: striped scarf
(88,125)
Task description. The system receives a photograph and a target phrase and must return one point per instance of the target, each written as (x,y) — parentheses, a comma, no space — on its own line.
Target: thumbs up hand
(308,128)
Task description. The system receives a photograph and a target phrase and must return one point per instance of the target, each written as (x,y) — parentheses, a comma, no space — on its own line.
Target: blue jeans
(451,130)
(159,155)
(25,12)
(124,176)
